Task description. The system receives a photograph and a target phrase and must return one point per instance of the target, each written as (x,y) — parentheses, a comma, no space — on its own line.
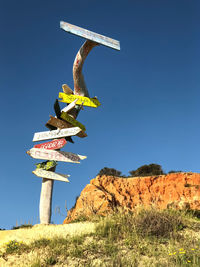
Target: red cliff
(104,193)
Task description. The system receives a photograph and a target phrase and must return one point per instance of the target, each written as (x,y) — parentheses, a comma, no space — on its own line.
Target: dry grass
(144,238)
(46,231)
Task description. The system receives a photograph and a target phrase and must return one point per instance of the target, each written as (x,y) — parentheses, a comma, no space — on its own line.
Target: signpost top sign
(95,37)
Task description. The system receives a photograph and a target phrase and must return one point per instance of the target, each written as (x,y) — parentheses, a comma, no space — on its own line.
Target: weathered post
(46,201)
(65,123)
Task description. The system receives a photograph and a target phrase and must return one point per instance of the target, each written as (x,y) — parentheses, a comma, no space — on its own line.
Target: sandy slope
(37,232)
(47,231)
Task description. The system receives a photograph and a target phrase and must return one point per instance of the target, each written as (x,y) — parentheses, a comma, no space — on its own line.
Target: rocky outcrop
(105,193)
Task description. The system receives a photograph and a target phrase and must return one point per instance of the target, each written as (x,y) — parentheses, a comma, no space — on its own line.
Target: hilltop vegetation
(143,238)
(144,170)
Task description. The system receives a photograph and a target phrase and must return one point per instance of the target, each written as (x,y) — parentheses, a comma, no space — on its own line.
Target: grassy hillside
(143,238)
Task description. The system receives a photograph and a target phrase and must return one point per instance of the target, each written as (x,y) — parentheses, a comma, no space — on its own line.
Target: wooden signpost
(63,124)
(82,100)
(65,121)
(51,175)
(55,134)
(55,144)
(47,154)
(71,120)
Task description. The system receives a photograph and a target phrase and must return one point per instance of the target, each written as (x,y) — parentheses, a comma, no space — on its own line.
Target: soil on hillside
(27,235)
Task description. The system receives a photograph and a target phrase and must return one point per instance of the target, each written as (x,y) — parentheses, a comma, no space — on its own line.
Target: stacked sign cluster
(62,127)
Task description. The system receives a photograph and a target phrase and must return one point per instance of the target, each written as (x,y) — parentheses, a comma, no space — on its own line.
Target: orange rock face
(104,193)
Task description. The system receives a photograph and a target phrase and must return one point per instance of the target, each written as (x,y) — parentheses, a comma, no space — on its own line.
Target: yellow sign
(82,100)
(71,120)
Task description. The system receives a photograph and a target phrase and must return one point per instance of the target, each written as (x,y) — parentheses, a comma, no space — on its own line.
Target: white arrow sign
(51,175)
(56,134)
(39,153)
(70,106)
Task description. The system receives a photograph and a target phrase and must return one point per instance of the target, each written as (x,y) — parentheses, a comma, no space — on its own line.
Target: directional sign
(101,39)
(82,100)
(38,153)
(51,175)
(67,89)
(70,106)
(55,134)
(57,108)
(63,124)
(55,144)
(71,120)
(50,127)
(59,123)
(47,165)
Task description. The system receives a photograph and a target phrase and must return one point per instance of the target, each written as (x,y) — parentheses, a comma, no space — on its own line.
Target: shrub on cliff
(147,170)
(174,171)
(109,171)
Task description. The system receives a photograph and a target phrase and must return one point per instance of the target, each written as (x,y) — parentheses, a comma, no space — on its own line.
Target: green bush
(22,226)
(109,171)
(147,170)
(159,223)
(13,246)
(174,171)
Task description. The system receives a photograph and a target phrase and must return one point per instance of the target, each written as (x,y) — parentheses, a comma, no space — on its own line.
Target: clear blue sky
(149,92)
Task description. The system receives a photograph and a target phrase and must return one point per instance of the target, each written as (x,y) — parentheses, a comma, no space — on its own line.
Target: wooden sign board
(57,108)
(38,153)
(71,120)
(95,37)
(55,134)
(82,100)
(67,89)
(51,175)
(82,134)
(55,144)
(63,124)
(60,124)
(70,106)
(50,127)
(47,165)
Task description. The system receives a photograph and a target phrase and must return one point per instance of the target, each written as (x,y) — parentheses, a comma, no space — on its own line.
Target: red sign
(55,144)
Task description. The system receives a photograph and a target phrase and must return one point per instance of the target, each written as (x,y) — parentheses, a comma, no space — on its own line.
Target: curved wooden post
(80,87)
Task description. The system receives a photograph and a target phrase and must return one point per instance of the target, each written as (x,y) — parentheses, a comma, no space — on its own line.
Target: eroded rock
(105,193)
